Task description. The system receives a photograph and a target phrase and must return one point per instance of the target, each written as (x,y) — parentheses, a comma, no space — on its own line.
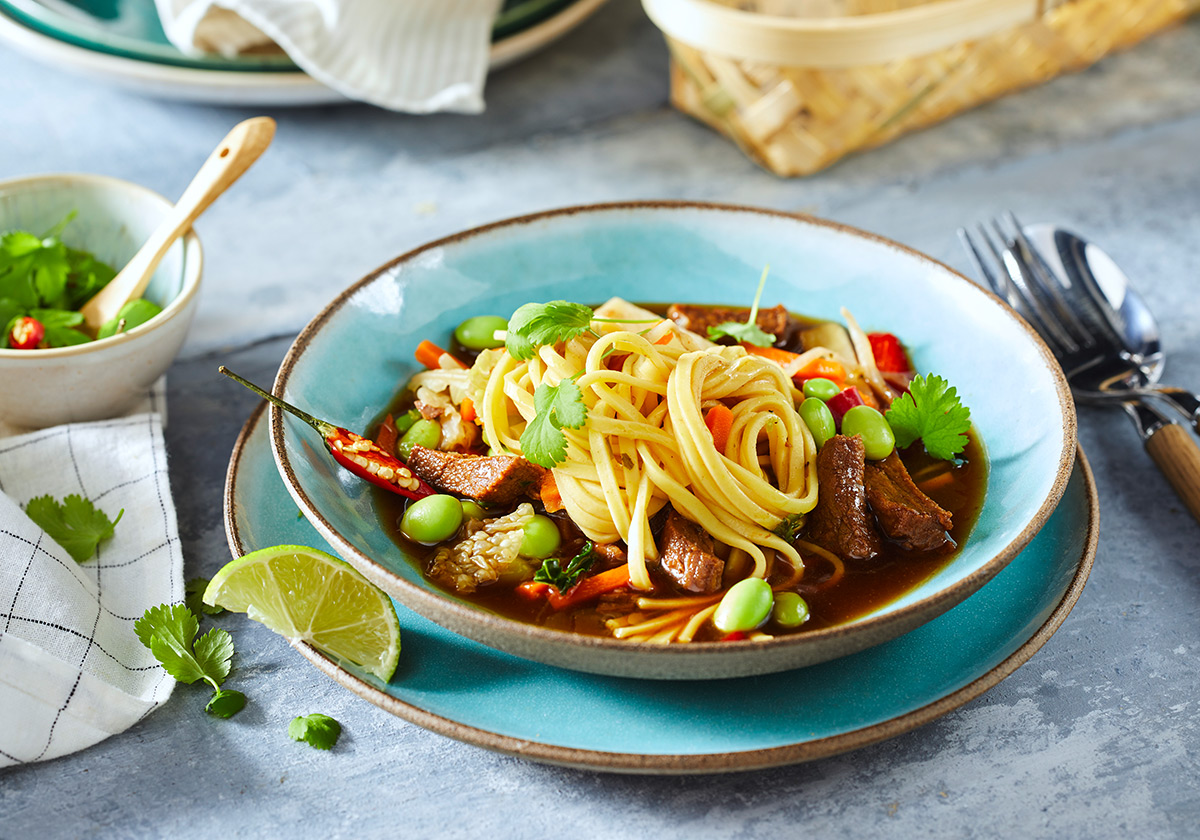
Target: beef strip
(489,479)
(699,318)
(608,556)
(904,513)
(687,556)
(841,522)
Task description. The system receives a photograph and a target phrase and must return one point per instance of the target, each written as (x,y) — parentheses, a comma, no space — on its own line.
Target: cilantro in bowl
(43,284)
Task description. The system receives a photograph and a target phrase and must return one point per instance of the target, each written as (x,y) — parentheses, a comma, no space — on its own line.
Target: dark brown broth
(866,586)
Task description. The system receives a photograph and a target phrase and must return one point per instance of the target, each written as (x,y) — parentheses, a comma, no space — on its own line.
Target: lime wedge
(306,594)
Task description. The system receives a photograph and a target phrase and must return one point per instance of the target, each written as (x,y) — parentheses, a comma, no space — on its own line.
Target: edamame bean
(870,425)
(406,420)
(541,538)
(478,333)
(424,433)
(790,610)
(745,606)
(472,510)
(819,419)
(432,519)
(822,389)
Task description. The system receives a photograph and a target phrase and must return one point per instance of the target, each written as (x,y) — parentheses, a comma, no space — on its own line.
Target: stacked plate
(122,41)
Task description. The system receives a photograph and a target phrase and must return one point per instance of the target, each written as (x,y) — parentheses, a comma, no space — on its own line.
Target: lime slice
(306,594)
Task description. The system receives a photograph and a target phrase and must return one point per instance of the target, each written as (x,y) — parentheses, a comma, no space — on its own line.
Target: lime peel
(305,594)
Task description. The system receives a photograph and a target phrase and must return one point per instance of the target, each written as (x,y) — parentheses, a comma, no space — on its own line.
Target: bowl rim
(437,606)
(193,266)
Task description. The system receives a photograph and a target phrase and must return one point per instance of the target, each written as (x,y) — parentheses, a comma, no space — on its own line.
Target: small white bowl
(105,378)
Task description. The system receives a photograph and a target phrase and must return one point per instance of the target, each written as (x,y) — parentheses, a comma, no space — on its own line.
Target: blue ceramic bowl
(347,364)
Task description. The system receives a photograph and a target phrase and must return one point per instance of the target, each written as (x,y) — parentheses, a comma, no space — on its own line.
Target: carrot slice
(531,590)
(589,588)
(665,338)
(551,498)
(719,420)
(430,355)
(821,369)
(781,357)
(467,410)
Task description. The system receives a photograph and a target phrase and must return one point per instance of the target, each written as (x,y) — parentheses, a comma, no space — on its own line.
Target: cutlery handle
(1178,457)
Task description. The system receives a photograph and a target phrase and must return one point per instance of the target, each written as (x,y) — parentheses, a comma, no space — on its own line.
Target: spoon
(233,156)
(1121,313)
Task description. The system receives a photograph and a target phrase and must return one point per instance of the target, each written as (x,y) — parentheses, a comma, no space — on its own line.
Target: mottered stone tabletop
(1098,736)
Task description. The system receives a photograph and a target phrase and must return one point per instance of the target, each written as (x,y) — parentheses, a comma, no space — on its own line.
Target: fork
(1099,365)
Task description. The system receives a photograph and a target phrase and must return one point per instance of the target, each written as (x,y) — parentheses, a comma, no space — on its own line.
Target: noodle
(645,443)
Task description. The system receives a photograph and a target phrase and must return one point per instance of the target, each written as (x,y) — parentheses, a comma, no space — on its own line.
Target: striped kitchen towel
(72,671)
(418,56)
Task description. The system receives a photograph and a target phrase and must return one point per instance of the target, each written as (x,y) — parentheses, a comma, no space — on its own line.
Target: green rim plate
(131,29)
(462,689)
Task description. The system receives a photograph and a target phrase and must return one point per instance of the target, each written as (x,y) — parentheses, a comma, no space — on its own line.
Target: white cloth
(72,671)
(417,56)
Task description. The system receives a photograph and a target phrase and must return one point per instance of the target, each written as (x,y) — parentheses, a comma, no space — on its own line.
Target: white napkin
(72,671)
(418,56)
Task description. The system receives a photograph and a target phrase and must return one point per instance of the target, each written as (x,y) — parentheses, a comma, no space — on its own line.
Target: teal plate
(459,688)
(131,29)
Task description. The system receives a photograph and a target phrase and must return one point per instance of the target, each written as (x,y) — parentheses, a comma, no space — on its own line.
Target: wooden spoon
(240,148)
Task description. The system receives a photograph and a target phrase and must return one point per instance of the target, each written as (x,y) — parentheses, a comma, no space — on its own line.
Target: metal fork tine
(999,284)
(1049,284)
(1042,321)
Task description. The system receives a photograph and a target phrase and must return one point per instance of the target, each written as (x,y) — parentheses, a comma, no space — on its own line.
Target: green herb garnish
(193,597)
(557,407)
(562,579)
(536,324)
(316,730)
(74,523)
(169,630)
(749,332)
(790,527)
(932,412)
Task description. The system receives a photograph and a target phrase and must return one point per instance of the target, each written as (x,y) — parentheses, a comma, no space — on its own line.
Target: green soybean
(822,389)
(406,420)
(424,433)
(432,519)
(819,419)
(541,538)
(478,333)
(790,610)
(472,510)
(874,430)
(745,606)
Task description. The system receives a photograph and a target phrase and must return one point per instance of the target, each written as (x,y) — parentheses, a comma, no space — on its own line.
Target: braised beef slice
(699,318)
(904,513)
(489,479)
(608,556)
(687,556)
(841,522)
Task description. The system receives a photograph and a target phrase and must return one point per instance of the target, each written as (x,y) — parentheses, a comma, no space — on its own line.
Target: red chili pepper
(843,402)
(889,353)
(26,334)
(735,636)
(360,455)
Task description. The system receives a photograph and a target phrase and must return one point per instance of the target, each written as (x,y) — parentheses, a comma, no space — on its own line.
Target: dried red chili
(360,455)
(26,333)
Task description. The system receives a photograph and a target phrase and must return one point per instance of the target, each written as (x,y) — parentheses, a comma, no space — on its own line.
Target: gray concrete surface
(1096,737)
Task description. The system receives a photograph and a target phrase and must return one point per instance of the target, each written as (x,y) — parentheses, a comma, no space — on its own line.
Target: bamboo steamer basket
(797,84)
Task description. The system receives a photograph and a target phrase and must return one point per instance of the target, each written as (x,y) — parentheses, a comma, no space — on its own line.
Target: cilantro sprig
(316,730)
(536,324)
(932,412)
(749,332)
(169,630)
(74,523)
(193,597)
(557,407)
(553,573)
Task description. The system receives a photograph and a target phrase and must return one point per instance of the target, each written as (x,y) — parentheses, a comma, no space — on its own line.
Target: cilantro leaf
(562,579)
(932,412)
(749,333)
(557,407)
(193,597)
(225,703)
(169,630)
(790,527)
(536,324)
(316,730)
(75,524)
